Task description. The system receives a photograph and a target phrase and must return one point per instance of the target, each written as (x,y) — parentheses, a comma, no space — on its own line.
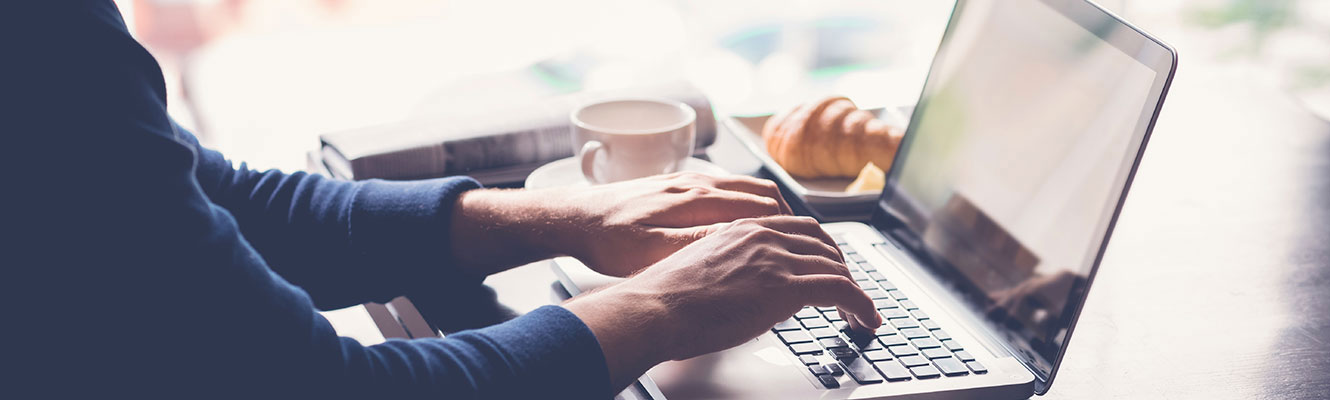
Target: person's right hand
(719,292)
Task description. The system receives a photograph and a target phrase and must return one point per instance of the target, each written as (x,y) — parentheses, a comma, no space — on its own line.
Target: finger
(801,225)
(803,263)
(760,187)
(738,205)
(680,237)
(833,290)
(712,205)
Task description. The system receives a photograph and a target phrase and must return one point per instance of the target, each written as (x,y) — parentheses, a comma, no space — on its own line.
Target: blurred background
(260,80)
(1217,271)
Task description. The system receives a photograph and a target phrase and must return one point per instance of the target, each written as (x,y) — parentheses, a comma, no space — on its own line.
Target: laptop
(984,242)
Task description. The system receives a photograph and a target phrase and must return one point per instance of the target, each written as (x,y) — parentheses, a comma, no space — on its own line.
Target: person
(143,264)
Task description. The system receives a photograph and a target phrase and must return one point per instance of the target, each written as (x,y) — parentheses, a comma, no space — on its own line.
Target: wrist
(632,328)
(496,229)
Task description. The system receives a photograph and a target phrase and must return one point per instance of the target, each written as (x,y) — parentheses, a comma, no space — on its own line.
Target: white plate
(814,191)
(568,172)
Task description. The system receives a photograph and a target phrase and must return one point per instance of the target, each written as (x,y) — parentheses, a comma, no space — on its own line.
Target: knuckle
(692,176)
(840,283)
(748,223)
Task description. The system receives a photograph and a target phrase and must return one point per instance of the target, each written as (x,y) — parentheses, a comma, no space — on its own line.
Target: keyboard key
(792,337)
(941,334)
(909,305)
(819,370)
(877,276)
(806,348)
(913,361)
(936,353)
(964,355)
(902,323)
(893,313)
(833,342)
(828,381)
(824,332)
(976,367)
(871,344)
(914,333)
(862,371)
(856,257)
(886,285)
(807,312)
(892,340)
(884,303)
(842,353)
(866,267)
(840,325)
(950,367)
(859,276)
(786,325)
(808,359)
(902,350)
(928,323)
(893,371)
(952,345)
(877,355)
(926,343)
(825,310)
(835,369)
(834,317)
(865,285)
(840,240)
(919,314)
(876,293)
(925,371)
(814,323)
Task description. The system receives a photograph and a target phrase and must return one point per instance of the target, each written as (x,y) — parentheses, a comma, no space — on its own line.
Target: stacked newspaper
(500,145)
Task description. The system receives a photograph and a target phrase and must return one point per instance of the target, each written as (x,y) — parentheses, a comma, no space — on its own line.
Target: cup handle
(588,157)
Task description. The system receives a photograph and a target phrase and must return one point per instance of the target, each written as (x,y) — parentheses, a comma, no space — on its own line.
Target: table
(1217,281)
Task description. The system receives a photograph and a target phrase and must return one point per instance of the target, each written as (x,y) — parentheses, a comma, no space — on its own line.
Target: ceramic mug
(622,139)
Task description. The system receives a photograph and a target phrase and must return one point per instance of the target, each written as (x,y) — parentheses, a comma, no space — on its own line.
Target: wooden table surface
(1217,281)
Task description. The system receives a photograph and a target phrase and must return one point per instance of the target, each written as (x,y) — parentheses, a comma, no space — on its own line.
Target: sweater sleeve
(129,281)
(344,242)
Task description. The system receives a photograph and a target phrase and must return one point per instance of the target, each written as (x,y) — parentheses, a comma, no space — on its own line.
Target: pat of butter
(871,179)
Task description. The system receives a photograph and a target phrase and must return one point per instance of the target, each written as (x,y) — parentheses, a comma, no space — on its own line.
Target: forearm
(494,229)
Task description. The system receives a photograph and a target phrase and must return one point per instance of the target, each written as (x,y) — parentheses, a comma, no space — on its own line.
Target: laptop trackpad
(757,369)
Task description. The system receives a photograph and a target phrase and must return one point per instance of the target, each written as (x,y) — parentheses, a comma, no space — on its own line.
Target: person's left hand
(616,229)
(619,228)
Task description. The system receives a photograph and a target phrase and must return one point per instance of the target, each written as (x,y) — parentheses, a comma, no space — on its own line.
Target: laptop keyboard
(908,345)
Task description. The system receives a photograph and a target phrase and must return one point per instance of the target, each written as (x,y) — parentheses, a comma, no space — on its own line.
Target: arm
(344,242)
(135,282)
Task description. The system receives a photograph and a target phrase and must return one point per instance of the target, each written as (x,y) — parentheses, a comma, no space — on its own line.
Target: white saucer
(568,172)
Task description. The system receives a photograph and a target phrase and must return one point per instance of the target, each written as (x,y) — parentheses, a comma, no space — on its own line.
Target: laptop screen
(1017,156)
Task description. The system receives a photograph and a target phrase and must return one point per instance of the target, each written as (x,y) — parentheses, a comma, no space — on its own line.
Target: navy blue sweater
(139,263)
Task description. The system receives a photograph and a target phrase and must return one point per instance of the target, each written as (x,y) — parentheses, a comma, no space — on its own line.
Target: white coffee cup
(630,138)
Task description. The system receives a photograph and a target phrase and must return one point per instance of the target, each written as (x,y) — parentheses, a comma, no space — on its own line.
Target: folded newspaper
(495,146)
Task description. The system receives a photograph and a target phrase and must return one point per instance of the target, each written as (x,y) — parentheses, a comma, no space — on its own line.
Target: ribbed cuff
(553,354)
(404,227)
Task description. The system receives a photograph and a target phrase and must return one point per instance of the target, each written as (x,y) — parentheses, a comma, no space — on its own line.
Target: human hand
(616,229)
(720,291)
(619,228)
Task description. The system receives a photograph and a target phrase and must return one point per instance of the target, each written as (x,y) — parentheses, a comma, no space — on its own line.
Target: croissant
(830,137)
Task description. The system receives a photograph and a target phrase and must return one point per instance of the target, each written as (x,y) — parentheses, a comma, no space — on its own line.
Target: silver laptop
(987,236)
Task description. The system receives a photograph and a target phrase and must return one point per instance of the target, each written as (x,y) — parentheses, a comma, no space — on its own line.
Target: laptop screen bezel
(1146,49)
